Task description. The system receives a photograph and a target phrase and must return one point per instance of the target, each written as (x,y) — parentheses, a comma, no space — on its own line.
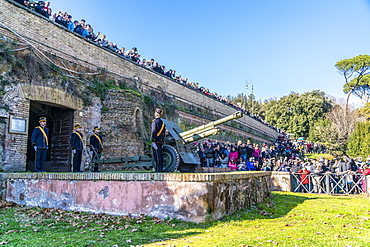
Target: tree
(359,141)
(335,129)
(323,131)
(364,111)
(297,113)
(362,90)
(353,70)
(245,101)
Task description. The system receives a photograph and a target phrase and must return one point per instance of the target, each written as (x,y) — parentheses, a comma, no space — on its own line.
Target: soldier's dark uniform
(77,148)
(96,144)
(40,142)
(158,134)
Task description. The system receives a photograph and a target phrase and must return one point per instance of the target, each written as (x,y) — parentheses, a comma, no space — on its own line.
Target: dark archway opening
(59,123)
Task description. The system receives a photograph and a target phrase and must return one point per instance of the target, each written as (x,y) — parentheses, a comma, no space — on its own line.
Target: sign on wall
(18,125)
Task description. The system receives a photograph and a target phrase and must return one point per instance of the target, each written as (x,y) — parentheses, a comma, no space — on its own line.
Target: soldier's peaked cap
(42,119)
(159,111)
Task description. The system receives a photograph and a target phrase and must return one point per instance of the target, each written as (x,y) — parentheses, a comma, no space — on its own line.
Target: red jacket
(366,171)
(304,176)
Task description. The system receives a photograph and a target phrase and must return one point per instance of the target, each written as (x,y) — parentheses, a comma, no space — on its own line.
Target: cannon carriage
(178,150)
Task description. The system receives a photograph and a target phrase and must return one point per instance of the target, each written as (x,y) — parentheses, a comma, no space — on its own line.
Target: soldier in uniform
(158,134)
(77,148)
(96,146)
(40,143)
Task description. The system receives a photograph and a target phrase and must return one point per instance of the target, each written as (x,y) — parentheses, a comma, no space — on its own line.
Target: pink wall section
(196,201)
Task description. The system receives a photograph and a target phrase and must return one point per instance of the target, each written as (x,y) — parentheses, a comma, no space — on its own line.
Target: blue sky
(281,45)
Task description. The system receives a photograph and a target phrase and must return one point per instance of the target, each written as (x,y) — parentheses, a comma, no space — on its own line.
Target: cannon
(178,150)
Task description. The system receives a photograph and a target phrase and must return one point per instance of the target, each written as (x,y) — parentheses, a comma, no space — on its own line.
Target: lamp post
(248,83)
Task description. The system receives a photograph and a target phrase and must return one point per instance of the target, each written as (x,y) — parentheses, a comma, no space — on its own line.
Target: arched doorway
(59,123)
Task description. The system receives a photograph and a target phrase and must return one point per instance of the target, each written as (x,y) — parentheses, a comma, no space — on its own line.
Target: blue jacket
(85,33)
(251,166)
(38,138)
(71,26)
(158,131)
(76,142)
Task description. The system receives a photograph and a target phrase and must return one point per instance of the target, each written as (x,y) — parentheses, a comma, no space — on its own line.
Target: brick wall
(15,145)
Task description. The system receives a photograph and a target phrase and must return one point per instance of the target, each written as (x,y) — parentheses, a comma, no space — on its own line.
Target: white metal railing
(329,183)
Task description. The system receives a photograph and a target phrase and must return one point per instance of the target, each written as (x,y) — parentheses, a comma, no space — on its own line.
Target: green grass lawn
(286,219)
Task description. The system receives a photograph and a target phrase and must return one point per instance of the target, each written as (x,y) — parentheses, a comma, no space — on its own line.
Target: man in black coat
(40,142)
(158,134)
(250,149)
(96,146)
(209,152)
(243,151)
(77,148)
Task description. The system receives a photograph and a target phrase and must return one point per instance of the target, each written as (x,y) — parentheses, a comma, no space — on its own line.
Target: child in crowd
(224,160)
(233,158)
(242,165)
(251,164)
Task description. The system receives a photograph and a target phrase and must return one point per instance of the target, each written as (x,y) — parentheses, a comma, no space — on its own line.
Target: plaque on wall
(18,125)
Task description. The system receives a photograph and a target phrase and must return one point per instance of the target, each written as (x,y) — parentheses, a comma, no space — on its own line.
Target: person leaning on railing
(345,168)
(294,169)
(331,173)
(304,179)
(365,170)
(316,176)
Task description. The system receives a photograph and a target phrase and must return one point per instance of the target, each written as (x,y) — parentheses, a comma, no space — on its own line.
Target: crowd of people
(87,31)
(288,156)
(241,155)
(244,156)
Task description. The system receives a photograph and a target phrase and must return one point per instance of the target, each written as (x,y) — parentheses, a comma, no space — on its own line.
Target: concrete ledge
(189,197)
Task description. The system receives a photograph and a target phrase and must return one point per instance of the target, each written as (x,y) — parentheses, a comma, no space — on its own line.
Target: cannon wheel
(171,159)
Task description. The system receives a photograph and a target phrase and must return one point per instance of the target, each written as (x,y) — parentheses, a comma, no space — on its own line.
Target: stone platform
(195,197)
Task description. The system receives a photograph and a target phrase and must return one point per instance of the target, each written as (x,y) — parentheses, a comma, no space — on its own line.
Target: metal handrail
(330,183)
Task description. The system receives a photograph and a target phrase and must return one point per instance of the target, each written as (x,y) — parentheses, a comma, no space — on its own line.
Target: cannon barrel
(207,129)
(200,135)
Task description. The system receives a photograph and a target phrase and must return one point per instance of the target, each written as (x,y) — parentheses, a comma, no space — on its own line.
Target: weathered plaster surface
(280,181)
(194,197)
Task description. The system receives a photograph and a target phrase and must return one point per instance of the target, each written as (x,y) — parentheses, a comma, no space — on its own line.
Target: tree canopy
(354,70)
(246,102)
(359,141)
(297,113)
(359,87)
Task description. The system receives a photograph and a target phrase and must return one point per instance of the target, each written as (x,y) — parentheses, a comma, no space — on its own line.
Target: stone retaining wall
(189,197)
